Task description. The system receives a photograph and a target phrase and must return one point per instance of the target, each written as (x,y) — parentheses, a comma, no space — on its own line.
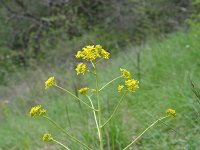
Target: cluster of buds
(130,83)
(90,53)
(37,111)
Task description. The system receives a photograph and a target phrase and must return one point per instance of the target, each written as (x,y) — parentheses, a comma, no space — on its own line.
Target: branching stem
(75,97)
(95,118)
(99,106)
(109,83)
(60,144)
(63,130)
(160,119)
(116,108)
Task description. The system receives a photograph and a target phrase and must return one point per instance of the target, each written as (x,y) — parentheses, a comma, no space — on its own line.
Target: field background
(160,47)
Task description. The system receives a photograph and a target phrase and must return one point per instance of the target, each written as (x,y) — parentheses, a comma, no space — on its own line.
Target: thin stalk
(98,61)
(75,97)
(99,106)
(109,83)
(144,132)
(63,130)
(95,118)
(60,144)
(116,108)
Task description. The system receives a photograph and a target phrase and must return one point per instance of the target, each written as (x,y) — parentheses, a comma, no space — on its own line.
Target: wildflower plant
(94,54)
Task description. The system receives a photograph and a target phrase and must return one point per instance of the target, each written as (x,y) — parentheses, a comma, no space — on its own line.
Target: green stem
(95,118)
(116,108)
(60,144)
(98,61)
(99,106)
(109,82)
(75,97)
(144,132)
(63,130)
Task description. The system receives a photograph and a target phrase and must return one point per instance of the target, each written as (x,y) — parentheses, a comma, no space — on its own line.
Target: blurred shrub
(31,28)
(194,19)
(51,20)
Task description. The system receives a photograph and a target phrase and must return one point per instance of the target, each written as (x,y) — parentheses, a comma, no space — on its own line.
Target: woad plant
(94,54)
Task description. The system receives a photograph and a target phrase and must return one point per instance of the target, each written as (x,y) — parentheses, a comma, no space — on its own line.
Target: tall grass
(167,65)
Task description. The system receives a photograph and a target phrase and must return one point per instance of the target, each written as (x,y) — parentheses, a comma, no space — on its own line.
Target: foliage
(31,24)
(29,29)
(194,18)
(165,67)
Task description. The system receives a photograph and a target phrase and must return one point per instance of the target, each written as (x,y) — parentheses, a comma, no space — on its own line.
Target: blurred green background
(157,40)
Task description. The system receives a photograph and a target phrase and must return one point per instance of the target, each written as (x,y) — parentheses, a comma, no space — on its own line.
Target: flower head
(37,111)
(81,68)
(125,73)
(98,48)
(79,54)
(88,53)
(120,88)
(84,91)
(102,51)
(105,54)
(132,84)
(171,112)
(47,137)
(92,52)
(50,82)
(42,112)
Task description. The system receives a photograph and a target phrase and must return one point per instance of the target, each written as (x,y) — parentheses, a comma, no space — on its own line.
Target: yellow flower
(132,85)
(84,91)
(37,111)
(171,112)
(81,68)
(105,54)
(125,73)
(92,52)
(42,112)
(50,82)
(99,47)
(102,51)
(47,137)
(120,88)
(79,54)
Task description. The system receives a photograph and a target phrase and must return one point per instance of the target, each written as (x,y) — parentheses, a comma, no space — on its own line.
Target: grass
(167,65)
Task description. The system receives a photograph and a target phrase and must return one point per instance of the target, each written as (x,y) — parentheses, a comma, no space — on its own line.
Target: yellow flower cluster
(47,137)
(120,88)
(81,68)
(125,73)
(171,112)
(37,111)
(132,85)
(84,91)
(92,52)
(50,82)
